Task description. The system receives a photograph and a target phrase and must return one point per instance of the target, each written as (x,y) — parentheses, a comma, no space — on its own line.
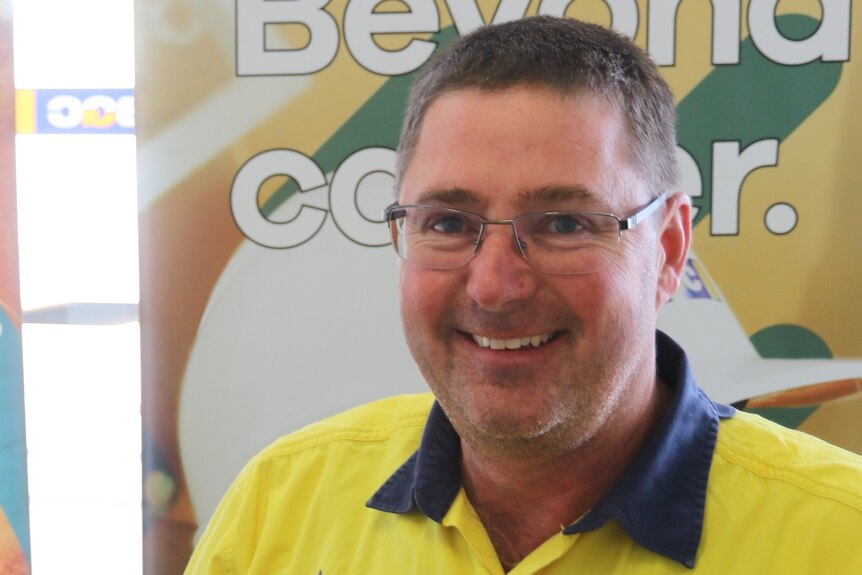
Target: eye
(564,224)
(449,224)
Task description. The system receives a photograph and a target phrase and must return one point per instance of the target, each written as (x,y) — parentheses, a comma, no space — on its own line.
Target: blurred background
(267,302)
(78,252)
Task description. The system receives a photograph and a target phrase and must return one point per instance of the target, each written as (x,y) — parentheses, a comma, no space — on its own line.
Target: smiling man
(579,403)
(541,231)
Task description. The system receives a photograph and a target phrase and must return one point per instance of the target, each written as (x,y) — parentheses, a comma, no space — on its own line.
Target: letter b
(254,59)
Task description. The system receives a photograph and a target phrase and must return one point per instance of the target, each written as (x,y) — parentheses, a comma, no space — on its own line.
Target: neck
(524,500)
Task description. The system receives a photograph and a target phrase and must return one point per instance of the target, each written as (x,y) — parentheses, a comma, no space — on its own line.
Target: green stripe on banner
(753,100)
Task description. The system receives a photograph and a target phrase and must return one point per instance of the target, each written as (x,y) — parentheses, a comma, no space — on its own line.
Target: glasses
(552,242)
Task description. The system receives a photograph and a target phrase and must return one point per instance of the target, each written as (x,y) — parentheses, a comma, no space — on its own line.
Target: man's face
(501,154)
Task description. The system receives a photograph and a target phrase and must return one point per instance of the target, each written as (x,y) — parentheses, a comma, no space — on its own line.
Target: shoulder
(802,465)
(780,501)
(377,422)
(374,421)
(304,484)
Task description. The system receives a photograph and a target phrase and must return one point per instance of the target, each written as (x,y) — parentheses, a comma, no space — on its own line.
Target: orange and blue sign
(75,111)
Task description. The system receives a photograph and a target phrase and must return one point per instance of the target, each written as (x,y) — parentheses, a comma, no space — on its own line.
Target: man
(541,232)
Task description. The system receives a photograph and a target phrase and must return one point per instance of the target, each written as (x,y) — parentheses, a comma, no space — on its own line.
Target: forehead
(519,147)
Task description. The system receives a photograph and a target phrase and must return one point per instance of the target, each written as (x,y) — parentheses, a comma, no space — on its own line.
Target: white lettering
(244,199)
(727,18)
(361,187)
(730,168)
(661,31)
(64,112)
(354,177)
(361,23)
(830,43)
(253,59)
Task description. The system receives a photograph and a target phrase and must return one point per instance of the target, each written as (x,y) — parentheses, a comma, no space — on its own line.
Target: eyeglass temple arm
(643,214)
(390,211)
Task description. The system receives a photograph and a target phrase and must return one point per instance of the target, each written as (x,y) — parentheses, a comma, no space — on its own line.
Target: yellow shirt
(713,492)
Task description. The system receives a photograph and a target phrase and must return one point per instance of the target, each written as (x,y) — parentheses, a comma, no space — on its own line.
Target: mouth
(512,343)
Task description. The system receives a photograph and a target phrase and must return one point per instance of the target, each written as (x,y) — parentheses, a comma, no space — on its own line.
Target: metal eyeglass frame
(625,224)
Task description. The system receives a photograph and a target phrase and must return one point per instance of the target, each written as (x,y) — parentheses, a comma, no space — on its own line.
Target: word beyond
(258,22)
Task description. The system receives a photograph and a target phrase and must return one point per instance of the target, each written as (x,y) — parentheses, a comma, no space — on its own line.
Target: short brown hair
(566,55)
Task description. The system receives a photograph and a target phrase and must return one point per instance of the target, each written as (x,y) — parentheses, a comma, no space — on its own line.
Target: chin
(525,435)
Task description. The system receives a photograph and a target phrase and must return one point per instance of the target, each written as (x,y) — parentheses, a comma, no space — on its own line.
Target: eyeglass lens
(552,242)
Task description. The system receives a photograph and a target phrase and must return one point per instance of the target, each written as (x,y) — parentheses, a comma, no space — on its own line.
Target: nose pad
(519,243)
(500,276)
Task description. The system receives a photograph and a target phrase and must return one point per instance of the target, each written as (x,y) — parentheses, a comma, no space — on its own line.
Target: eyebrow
(447,197)
(547,197)
(553,196)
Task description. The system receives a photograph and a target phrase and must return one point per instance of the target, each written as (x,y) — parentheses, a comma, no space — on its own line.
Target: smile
(513,343)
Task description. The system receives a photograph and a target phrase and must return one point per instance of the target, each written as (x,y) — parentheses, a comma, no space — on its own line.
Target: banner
(269,296)
(14,502)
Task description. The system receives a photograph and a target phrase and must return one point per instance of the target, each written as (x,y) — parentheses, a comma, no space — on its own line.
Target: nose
(499,276)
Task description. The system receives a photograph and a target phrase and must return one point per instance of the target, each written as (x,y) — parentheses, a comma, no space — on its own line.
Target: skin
(582,405)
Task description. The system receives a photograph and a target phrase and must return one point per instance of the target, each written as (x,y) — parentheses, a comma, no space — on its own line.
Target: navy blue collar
(659,501)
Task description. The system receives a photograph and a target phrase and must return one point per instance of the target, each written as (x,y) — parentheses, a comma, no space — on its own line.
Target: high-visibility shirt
(377,490)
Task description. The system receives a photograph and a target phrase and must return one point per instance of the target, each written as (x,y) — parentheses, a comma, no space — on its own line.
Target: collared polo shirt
(659,502)
(712,492)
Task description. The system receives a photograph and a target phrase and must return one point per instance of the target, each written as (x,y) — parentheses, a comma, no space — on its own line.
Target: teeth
(513,343)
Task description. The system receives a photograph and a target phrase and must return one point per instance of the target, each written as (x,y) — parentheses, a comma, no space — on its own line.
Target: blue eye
(449,225)
(566,225)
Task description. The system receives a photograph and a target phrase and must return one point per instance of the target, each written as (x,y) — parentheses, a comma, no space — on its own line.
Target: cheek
(617,296)
(608,303)
(407,292)
(637,285)
(423,296)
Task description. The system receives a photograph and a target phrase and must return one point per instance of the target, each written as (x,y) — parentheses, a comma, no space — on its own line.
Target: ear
(674,239)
